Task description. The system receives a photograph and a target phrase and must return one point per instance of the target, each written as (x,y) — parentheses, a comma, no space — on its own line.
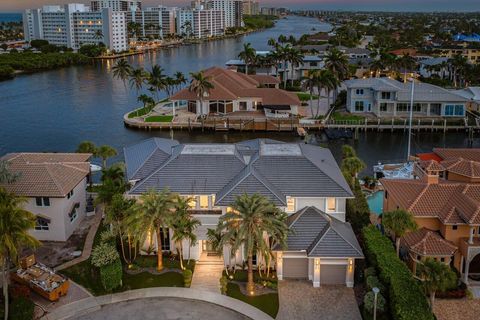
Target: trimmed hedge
(406,298)
(111,275)
(21,309)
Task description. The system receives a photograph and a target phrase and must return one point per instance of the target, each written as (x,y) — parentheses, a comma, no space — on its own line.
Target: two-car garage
(330,274)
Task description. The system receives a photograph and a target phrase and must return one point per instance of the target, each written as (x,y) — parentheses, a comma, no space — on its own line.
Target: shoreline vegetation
(15,62)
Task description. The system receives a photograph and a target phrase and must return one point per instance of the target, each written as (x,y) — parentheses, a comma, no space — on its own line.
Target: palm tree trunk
(397,244)
(189,249)
(318,101)
(159,249)
(104,161)
(285,73)
(5,285)
(432,299)
(246,68)
(250,283)
(180,254)
(311,100)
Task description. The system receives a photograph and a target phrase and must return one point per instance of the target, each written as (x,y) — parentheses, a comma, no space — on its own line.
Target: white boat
(95,167)
(394,170)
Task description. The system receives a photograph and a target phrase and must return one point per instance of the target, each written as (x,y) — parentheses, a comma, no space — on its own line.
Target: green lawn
(346,117)
(159,119)
(268,303)
(139,113)
(303,96)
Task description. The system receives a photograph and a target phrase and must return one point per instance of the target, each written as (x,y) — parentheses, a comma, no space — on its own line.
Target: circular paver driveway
(163,308)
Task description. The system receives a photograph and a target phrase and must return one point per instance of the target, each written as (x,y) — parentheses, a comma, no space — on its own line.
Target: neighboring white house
(54,185)
(293,176)
(386,97)
(234,91)
(434,67)
(472,94)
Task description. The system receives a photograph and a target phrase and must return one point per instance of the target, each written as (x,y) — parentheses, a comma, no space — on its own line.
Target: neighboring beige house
(54,185)
(302,180)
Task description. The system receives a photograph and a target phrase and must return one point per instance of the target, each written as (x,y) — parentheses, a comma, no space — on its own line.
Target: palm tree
(376,67)
(352,166)
(155,212)
(398,222)
(87,147)
(283,53)
(310,83)
(121,70)
(337,62)
(15,224)
(6,176)
(98,34)
(459,65)
(137,78)
(146,100)
(201,85)
(115,173)
(436,276)
(295,57)
(116,215)
(252,220)
(328,81)
(183,226)
(180,79)
(156,79)
(407,63)
(106,152)
(248,55)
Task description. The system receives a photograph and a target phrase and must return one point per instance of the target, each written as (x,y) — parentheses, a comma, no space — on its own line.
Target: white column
(310,269)
(465,275)
(280,265)
(316,272)
(470,239)
(173,111)
(349,279)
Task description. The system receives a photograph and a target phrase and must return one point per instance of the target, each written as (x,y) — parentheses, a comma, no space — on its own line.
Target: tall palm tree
(180,79)
(156,79)
(253,219)
(201,85)
(87,147)
(146,100)
(106,152)
(15,224)
(398,222)
(310,83)
(295,57)
(459,65)
(183,226)
(116,214)
(283,52)
(248,55)
(436,276)
(137,78)
(328,81)
(121,70)
(98,34)
(6,176)
(407,63)
(337,62)
(155,212)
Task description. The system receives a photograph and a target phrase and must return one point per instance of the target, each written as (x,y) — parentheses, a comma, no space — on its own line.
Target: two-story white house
(54,186)
(387,97)
(303,180)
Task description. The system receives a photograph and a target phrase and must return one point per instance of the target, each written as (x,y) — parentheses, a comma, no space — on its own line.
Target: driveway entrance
(301,301)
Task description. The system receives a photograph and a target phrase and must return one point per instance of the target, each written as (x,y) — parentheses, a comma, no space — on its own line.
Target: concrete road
(163,308)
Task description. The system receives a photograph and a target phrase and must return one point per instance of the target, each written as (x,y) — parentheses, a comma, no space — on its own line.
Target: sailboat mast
(410,121)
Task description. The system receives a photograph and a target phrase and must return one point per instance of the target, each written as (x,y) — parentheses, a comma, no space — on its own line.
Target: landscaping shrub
(107,236)
(21,309)
(106,257)
(104,254)
(370,272)
(369,302)
(373,282)
(223,285)
(358,212)
(6,72)
(406,298)
(187,278)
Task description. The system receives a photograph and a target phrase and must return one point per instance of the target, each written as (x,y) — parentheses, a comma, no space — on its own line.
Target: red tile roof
(463,167)
(231,85)
(426,242)
(431,165)
(46,174)
(453,153)
(429,156)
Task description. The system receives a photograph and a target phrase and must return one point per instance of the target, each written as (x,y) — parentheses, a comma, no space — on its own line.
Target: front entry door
(207,246)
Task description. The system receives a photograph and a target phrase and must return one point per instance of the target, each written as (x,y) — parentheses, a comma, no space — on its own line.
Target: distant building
(233,11)
(200,23)
(251,7)
(472,94)
(388,97)
(471,54)
(74,25)
(116,5)
(434,67)
(460,37)
(156,22)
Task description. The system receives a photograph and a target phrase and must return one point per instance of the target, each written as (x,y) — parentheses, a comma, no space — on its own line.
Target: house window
(386,95)
(383,107)
(313,64)
(70,194)
(290,204)
(164,233)
(193,202)
(42,201)
(454,227)
(72,215)
(204,202)
(42,224)
(454,110)
(402,107)
(442,259)
(359,106)
(359,92)
(331,204)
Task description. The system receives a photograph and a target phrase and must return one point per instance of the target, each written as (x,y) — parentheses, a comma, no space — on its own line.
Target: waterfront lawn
(159,119)
(268,303)
(139,112)
(304,97)
(337,116)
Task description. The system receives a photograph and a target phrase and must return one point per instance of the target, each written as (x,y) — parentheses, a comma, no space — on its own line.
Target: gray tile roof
(321,235)
(424,92)
(272,168)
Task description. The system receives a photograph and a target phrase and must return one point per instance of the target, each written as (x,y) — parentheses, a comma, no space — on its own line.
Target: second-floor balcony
(205,211)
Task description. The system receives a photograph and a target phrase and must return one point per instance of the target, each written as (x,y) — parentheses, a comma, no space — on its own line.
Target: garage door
(332,274)
(295,268)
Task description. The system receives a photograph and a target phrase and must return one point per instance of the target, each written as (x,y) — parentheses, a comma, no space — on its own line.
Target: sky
(364,5)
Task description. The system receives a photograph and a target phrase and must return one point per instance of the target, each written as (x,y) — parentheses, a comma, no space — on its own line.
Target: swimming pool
(375,202)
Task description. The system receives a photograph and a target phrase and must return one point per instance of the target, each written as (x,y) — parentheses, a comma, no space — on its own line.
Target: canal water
(56,110)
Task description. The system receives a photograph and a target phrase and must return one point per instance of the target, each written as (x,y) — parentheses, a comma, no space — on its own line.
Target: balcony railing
(206,211)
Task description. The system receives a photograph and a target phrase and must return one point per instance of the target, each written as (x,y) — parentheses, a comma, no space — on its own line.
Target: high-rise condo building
(116,5)
(155,22)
